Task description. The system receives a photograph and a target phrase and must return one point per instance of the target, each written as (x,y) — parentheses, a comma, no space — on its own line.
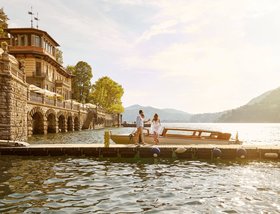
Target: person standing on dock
(156,128)
(139,137)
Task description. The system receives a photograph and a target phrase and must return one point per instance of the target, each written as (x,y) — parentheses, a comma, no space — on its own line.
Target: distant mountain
(206,117)
(259,98)
(166,115)
(262,109)
(169,115)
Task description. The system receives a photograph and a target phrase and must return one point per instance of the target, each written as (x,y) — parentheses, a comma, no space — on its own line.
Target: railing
(15,71)
(49,54)
(39,74)
(25,49)
(67,105)
(76,107)
(53,101)
(9,65)
(49,101)
(60,83)
(60,103)
(34,97)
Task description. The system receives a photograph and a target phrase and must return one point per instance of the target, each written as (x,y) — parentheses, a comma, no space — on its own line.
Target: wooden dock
(191,152)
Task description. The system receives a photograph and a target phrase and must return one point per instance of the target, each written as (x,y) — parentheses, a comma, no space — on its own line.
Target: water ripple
(82,185)
(88,185)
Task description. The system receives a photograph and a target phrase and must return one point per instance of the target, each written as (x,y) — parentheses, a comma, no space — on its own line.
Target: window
(38,69)
(22,40)
(205,134)
(47,70)
(180,132)
(15,41)
(37,41)
(47,47)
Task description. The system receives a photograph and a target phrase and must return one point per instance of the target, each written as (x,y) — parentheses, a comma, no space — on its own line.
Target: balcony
(49,54)
(61,83)
(30,49)
(24,49)
(39,75)
(54,101)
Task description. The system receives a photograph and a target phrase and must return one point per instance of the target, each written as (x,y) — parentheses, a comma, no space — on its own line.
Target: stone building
(35,89)
(24,112)
(38,50)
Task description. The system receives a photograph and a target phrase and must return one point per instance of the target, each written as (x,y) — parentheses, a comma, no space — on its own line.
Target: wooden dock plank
(208,152)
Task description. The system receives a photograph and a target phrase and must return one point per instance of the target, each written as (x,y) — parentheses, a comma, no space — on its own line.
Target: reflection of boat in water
(134,125)
(180,136)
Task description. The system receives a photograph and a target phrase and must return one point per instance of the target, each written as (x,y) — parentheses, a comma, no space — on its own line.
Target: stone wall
(13,101)
(18,107)
(5,112)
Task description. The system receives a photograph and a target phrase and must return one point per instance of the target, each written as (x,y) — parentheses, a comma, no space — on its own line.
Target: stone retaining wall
(13,102)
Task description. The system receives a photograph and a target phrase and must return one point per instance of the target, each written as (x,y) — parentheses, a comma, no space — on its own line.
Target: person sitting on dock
(139,137)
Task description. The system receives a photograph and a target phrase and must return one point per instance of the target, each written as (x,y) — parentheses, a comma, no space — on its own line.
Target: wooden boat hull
(134,125)
(129,139)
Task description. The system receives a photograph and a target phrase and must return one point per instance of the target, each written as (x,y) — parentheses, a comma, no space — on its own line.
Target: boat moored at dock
(125,124)
(179,136)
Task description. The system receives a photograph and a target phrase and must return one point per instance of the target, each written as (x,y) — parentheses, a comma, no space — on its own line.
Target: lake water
(95,185)
(249,133)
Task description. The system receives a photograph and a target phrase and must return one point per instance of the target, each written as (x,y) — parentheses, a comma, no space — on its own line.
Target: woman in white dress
(156,128)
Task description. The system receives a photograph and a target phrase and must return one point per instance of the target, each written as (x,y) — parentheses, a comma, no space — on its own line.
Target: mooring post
(106,138)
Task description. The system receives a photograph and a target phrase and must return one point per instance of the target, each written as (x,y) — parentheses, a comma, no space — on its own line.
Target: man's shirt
(139,121)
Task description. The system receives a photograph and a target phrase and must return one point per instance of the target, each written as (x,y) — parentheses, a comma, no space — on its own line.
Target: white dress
(156,127)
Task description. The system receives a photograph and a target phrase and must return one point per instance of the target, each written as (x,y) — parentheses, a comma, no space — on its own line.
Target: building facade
(39,51)
(35,89)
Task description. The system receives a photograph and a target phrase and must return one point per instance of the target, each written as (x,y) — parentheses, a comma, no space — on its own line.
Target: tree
(59,56)
(107,94)
(3,23)
(81,82)
(70,68)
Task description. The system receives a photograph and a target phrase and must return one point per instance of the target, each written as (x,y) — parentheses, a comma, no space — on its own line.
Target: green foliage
(70,68)
(107,94)
(3,23)
(59,56)
(81,84)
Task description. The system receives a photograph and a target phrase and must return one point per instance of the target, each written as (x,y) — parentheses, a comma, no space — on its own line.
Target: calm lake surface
(95,185)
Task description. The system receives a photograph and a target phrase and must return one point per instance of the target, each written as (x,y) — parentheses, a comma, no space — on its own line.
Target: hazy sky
(192,55)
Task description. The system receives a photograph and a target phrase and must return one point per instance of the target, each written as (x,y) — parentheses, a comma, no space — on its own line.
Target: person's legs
(137,136)
(141,136)
(156,138)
